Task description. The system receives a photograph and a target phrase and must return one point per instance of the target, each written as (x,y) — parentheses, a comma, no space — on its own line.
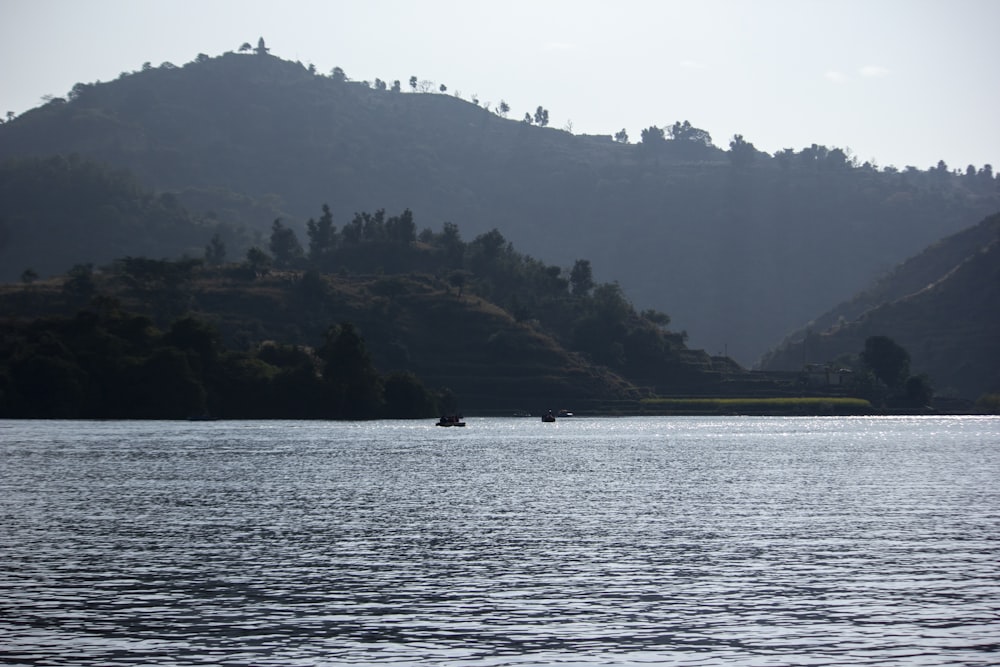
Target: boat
(548,417)
(451,420)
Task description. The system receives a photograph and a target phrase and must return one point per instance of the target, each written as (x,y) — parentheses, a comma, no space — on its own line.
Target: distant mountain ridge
(943,306)
(738,247)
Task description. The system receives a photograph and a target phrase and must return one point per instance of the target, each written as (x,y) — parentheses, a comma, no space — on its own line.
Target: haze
(897,82)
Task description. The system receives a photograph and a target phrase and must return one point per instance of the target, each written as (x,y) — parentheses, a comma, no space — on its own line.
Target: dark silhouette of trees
(406,397)
(684,131)
(918,391)
(284,245)
(215,251)
(887,360)
(541,117)
(258,262)
(105,363)
(322,237)
(581,277)
(621,136)
(401,229)
(741,152)
(196,338)
(354,388)
(653,137)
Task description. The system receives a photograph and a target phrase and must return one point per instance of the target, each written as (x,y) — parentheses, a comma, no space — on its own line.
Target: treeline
(178,351)
(594,319)
(104,363)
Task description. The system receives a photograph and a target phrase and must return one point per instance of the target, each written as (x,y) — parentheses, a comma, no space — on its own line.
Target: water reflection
(685,541)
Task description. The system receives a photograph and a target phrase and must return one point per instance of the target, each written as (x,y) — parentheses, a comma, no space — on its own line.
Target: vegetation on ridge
(725,240)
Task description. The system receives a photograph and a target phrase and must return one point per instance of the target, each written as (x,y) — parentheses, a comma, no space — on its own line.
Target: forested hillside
(943,305)
(738,246)
(477,323)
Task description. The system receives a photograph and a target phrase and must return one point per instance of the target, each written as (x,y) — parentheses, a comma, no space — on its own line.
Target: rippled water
(681,541)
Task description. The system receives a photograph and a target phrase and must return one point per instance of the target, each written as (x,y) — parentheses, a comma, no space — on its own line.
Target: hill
(942,305)
(738,246)
(419,324)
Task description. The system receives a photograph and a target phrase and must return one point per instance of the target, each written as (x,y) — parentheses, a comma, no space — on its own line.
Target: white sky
(898,82)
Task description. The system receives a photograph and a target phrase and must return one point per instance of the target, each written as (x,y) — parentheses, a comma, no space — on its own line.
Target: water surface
(687,541)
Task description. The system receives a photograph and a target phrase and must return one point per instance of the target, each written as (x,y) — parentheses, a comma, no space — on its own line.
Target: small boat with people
(451,420)
(549,417)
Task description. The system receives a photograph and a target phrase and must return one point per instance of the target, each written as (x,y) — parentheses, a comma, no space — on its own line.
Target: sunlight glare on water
(687,541)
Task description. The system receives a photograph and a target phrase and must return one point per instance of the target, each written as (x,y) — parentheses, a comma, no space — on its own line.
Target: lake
(631,541)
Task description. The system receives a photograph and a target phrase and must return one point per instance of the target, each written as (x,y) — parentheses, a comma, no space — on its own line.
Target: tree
(379,84)
(337,74)
(322,236)
(451,242)
(504,109)
(443,88)
(660,319)
(395,86)
(741,152)
(622,136)
(687,132)
(889,362)
(215,251)
(581,278)
(919,391)
(541,117)
(28,276)
(413,83)
(401,229)
(355,387)
(245,47)
(406,397)
(197,337)
(490,244)
(284,245)
(652,137)
(258,261)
